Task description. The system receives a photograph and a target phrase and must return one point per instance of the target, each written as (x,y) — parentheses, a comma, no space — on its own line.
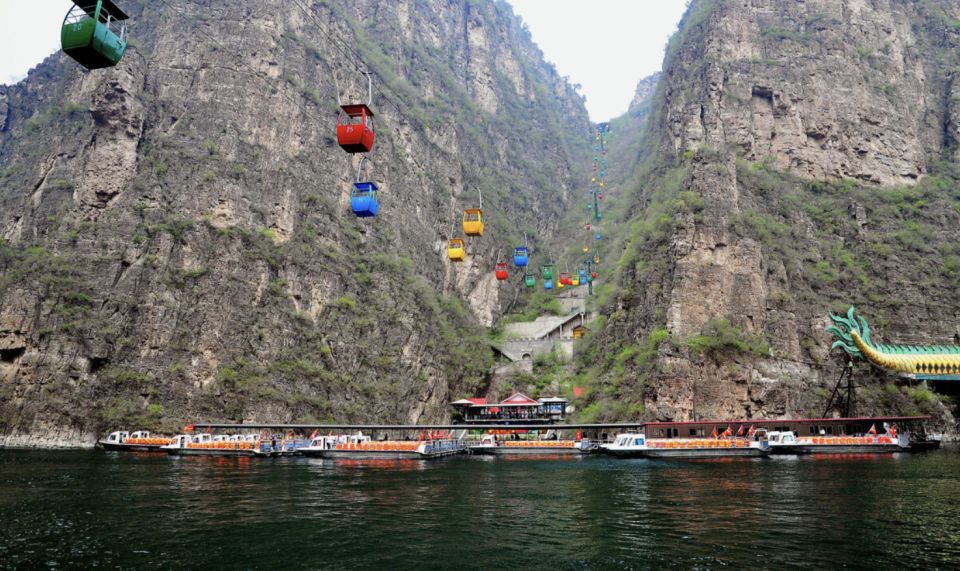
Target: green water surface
(91,509)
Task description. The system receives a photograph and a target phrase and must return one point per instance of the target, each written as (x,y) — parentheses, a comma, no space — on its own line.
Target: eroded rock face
(829,89)
(860,91)
(177,234)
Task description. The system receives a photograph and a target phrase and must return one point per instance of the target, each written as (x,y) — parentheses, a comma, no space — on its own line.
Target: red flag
(728,432)
(188,428)
(314,435)
(714,433)
(893,431)
(751,430)
(873,430)
(740,431)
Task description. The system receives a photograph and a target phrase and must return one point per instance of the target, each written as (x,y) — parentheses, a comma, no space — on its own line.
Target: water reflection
(83,509)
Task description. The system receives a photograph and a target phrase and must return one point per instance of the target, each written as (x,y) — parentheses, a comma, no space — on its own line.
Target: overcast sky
(604,45)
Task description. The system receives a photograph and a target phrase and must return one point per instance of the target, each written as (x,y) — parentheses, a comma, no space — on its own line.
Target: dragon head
(843,329)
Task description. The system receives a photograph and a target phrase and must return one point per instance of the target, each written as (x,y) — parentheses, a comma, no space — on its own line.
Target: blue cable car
(365,196)
(597,235)
(365,199)
(583,275)
(521,255)
(547,284)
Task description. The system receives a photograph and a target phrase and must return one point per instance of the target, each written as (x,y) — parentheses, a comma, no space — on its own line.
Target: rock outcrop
(797,158)
(176,235)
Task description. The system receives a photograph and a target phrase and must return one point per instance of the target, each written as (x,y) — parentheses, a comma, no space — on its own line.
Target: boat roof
(746,421)
(90,7)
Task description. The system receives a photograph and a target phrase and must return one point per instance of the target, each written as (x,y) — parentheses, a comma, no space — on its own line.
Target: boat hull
(689,453)
(216,452)
(540,451)
(375,452)
(836,449)
(130,447)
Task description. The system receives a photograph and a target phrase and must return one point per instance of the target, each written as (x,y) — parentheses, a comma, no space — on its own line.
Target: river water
(85,509)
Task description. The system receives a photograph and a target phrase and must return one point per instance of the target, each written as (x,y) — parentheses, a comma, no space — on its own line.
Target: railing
(79,14)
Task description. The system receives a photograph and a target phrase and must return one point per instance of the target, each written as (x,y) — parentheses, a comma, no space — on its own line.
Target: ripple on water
(86,509)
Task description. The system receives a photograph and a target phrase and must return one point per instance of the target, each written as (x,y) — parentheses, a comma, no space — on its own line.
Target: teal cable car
(546,272)
(530,280)
(94,33)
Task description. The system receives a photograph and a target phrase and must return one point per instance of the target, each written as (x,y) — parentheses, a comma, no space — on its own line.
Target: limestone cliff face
(801,156)
(644,91)
(176,235)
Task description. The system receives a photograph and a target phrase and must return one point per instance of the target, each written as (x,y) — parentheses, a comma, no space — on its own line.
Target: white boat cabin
(776,438)
(629,440)
(118,437)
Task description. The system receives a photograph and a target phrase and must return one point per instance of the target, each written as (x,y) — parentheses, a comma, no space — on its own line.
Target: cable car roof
(353,108)
(90,7)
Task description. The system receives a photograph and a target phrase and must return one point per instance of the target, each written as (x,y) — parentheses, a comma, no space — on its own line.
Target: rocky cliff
(176,237)
(798,157)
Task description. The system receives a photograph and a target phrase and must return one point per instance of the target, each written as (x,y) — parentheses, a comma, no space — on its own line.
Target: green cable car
(546,271)
(530,280)
(94,33)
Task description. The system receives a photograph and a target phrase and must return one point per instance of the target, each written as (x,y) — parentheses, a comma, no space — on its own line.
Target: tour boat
(790,443)
(363,447)
(139,441)
(634,445)
(489,444)
(222,445)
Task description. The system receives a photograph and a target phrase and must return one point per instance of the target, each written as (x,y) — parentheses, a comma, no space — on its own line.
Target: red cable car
(355,132)
(565,278)
(593,275)
(501,271)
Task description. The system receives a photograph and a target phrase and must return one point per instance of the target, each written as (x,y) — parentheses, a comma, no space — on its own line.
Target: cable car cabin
(521,255)
(355,132)
(501,271)
(583,274)
(455,250)
(530,280)
(473,222)
(574,281)
(547,284)
(560,285)
(593,275)
(365,199)
(564,278)
(597,236)
(546,272)
(94,33)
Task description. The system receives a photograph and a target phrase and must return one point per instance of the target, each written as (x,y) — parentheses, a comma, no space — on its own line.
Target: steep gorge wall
(800,157)
(176,236)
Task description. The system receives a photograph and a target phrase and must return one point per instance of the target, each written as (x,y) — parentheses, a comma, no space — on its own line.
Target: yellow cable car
(473,222)
(455,250)
(574,281)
